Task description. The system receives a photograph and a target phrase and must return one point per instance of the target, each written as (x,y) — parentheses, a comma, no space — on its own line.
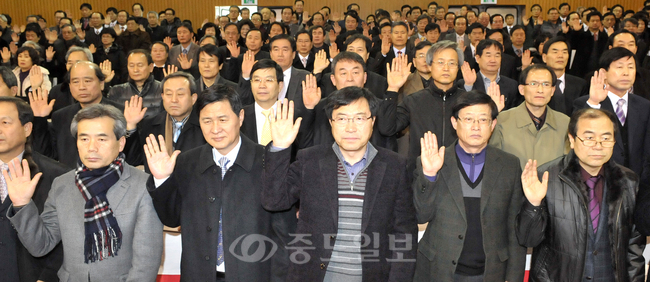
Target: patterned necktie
(619,111)
(595,36)
(518,52)
(594,203)
(223,163)
(184,51)
(3,183)
(266,129)
(177,133)
(304,62)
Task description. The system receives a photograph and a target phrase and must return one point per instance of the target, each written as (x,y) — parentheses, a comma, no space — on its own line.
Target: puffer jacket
(151,95)
(557,229)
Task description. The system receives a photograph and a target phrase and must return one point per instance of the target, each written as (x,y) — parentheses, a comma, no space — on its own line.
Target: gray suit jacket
(192,54)
(441,204)
(452,37)
(62,220)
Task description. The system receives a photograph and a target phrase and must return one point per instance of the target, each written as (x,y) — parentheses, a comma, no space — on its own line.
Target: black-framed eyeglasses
(592,143)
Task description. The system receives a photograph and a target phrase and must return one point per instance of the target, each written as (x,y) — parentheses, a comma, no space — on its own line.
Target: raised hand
(51,35)
(133,112)
(107,70)
(283,129)
(311,93)
(92,48)
(13,48)
(36,76)
(385,45)
(118,31)
(168,41)
(20,186)
(332,35)
(170,69)
(398,74)
(142,28)
(320,61)
(107,20)
(38,102)
(534,190)
(431,156)
(334,50)
(494,91)
(205,21)
(565,28)
(365,28)
(49,53)
(182,60)
(247,64)
(526,59)
(410,30)
(443,26)
(77,24)
(525,21)
(81,33)
(161,165)
(598,88)
(416,41)
(609,30)
(469,74)
(6,55)
(337,28)
(15,37)
(234,49)
(16,29)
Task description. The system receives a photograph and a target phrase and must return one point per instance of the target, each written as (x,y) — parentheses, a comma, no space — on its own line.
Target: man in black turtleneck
(428,109)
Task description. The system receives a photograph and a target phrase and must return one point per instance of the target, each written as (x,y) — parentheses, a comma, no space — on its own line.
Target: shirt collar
(259,109)
(403,50)
(301,57)
(584,175)
(287,73)
(370,153)
(614,98)
(231,156)
(182,121)
(487,80)
(465,157)
(20,157)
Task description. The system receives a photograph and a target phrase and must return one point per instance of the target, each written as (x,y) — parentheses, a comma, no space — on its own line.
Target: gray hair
(8,77)
(443,45)
(89,55)
(209,36)
(153,12)
(98,111)
(179,74)
(33,45)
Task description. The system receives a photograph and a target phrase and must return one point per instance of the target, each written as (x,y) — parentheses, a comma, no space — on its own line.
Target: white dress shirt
(613,98)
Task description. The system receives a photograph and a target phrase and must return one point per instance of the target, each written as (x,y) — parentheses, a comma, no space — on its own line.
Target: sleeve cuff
(432,178)
(275,149)
(468,87)
(157,182)
(593,106)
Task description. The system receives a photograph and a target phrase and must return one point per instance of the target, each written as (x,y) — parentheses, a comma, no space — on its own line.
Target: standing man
(469,194)
(589,45)
(587,200)
(141,83)
(556,54)
(364,230)
(185,55)
(217,187)
(395,47)
(459,36)
(133,38)
(233,14)
(103,197)
(86,11)
(533,130)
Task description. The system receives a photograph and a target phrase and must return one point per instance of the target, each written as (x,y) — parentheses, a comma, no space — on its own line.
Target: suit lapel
(376,171)
(478,85)
(491,171)
(450,175)
(607,105)
(116,193)
(632,123)
(328,168)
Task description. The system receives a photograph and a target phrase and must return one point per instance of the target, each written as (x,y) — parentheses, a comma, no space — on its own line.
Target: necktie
(3,183)
(619,111)
(594,202)
(518,52)
(223,163)
(461,42)
(399,53)
(266,129)
(304,62)
(177,130)
(184,51)
(123,28)
(96,31)
(595,36)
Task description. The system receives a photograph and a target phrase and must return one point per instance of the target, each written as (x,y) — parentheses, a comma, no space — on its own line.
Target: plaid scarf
(103,235)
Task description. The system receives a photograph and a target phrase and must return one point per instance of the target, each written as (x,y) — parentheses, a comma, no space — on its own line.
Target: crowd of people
(316,146)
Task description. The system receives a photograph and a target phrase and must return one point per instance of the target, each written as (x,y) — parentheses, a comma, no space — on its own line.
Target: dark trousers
(462,278)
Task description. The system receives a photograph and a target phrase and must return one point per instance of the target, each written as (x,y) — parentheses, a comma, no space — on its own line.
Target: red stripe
(351,196)
(177,278)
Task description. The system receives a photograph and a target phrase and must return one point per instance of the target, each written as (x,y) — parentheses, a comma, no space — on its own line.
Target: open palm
(534,190)
(160,163)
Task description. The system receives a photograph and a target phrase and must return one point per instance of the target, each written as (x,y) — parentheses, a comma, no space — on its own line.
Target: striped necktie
(594,203)
(619,111)
(223,163)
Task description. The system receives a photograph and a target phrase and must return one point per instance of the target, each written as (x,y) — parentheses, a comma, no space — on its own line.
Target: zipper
(444,123)
(577,191)
(618,217)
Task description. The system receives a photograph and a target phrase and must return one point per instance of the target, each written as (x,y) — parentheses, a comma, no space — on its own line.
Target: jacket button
(453,262)
(322,266)
(588,277)
(332,237)
(207,257)
(211,199)
(214,171)
(460,237)
(595,253)
(208,228)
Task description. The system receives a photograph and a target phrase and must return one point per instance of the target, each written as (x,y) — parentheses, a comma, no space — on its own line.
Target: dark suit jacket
(57,142)
(509,88)
(221,80)
(232,65)
(134,40)
(193,197)
(18,265)
(574,88)
(583,42)
(294,91)
(297,63)
(638,131)
(516,68)
(441,204)
(381,60)
(312,180)
(190,138)
(92,38)
(509,66)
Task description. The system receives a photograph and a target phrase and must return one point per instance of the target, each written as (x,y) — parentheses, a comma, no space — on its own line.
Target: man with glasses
(578,216)
(469,193)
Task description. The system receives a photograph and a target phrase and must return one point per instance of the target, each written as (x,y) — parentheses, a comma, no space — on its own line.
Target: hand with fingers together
(133,112)
(283,129)
(20,185)
(184,62)
(534,190)
(494,91)
(311,93)
(526,59)
(170,69)
(247,64)
(38,103)
(320,61)
(234,49)
(6,55)
(36,76)
(334,50)
(431,156)
(598,88)
(92,48)
(107,70)
(469,74)
(161,165)
(398,74)
(49,53)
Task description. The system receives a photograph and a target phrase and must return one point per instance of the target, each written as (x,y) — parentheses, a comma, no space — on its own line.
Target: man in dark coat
(133,38)
(18,265)
(587,199)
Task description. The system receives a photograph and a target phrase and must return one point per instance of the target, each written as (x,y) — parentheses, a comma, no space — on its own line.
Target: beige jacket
(27,84)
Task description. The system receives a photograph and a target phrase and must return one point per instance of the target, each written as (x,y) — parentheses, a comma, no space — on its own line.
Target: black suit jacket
(195,195)
(92,38)
(583,42)
(638,131)
(57,142)
(201,86)
(232,65)
(381,60)
(294,91)
(509,66)
(190,138)
(509,88)
(574,88)
(297,63)
(516,68)
(18,265)
(312,180)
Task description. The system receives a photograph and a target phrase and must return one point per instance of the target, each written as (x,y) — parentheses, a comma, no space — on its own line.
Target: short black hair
(131,19)
(421,46)
(33,54)
(8,77)
(590,113)
(350,57)
(471,11)
(141,51)
(416,8)
(285,29)
(213,50)
(86,5)
(472,98)
(460,17)
(509,15)
(423,17)
(110,9)
(303,31)
(524,73)
(405,6)
(515,28)
(536,5)
(487,43)
(356,37)
(262,34)
(247,22)
(291,9)
(399,23)
(496,15)
(292,42)
(432,26)
(138,4)
(609,14)
(592,14)
(35,28)
(552,9)
(217,93)
(632,20)
(474,26)
(436,3)
(311,29)
(229,24)
(610,39)
(541,38)
(161,43)
(186,25)
(564,4)
(450,13)
(217,30)
(170,9)
(60,11)
(349,95)
(612,55)
(554,40)
(109,31)
(268,64)
(303,2)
